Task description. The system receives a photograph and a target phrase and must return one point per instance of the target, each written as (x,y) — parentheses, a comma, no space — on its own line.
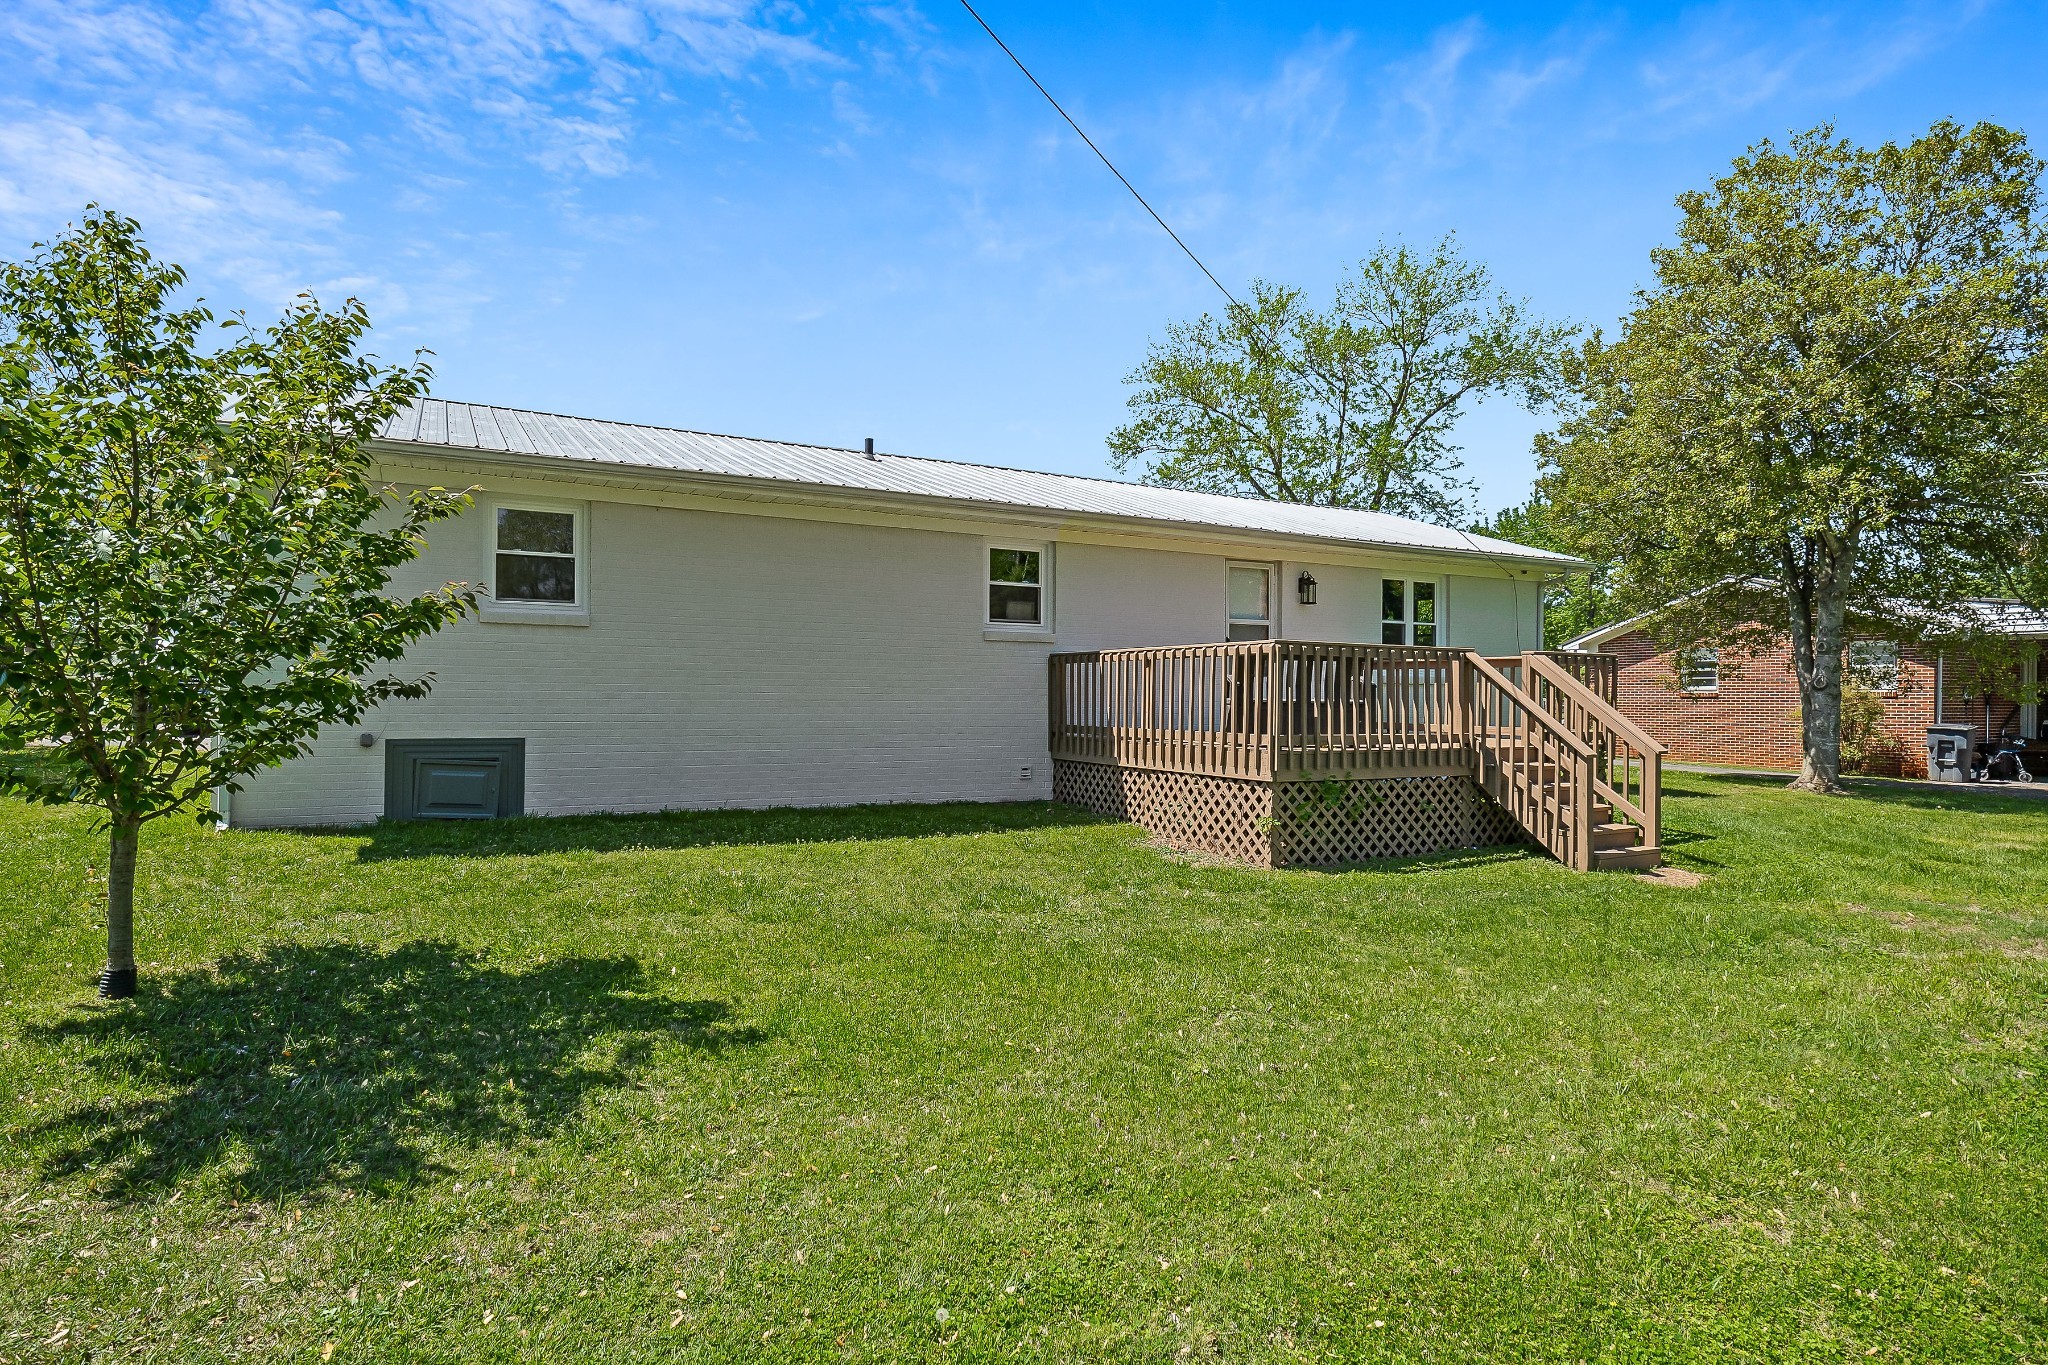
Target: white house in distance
(679,620)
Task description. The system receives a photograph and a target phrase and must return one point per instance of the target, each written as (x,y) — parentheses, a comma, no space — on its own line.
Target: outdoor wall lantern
(1305,588)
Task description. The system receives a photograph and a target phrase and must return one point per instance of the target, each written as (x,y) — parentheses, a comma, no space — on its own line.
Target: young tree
(1830,391)
(192,557)
(1353,407)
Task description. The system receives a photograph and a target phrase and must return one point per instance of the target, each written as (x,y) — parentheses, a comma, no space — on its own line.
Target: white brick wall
(746,660)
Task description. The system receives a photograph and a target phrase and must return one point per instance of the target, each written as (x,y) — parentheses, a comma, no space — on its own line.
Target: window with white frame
(1408,612)
(1699,670)
(1016,586)
(534,553)
(1874,665)
(1251,602)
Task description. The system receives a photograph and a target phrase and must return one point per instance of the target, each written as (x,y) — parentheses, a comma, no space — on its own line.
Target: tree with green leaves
(1350,407)
(193,557)
(1827,407)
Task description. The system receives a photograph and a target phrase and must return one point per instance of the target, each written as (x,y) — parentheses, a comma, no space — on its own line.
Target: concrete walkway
(2032,791)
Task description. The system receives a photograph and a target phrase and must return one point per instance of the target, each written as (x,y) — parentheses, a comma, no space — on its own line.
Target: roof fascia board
(782,496)
(539,483)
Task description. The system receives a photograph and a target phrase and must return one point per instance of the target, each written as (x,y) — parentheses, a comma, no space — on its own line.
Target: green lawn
(995,1082)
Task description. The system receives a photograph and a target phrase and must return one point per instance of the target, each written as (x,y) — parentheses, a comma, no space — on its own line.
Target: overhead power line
(1167,228)
(1098,151)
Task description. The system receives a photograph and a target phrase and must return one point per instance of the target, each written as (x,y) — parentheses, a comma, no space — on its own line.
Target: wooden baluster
(1283,731)
(1149,711)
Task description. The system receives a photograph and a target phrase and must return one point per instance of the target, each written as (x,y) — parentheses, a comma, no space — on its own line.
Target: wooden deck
(1537,733)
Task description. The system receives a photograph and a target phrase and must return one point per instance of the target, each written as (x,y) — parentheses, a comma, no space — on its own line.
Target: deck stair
(1214,741)
(1550,744)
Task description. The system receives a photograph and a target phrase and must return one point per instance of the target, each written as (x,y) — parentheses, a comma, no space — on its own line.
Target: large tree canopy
(1351,407)
(1828,403)
(193,559)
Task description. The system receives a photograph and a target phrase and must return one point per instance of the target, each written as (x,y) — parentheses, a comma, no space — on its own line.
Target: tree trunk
(117,980)
(1817,645)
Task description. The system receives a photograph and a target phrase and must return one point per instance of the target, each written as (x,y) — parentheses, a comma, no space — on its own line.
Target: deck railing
(1263,709)
(1189,708)
(1535,729)
(1600,674)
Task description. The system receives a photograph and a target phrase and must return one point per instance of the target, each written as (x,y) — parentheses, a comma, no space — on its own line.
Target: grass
(1004,1082)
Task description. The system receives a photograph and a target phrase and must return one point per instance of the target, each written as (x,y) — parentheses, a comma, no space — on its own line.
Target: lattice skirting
(1223,815)
(1292,823)
(1317,824)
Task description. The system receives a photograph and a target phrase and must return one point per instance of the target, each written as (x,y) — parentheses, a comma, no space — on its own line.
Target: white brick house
(684,621)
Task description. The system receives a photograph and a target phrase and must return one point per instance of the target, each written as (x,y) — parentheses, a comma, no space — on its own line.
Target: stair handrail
(1648,813)
(1564,830)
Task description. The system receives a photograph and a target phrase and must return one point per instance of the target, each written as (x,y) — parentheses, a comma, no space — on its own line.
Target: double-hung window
(1016,586)
(1408,611)
(1251,602)
(534,557)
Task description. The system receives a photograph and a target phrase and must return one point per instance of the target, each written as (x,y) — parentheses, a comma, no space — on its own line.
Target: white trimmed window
(1250,603)
(1410,611)
(537,557)
(1874,664)
(1017,582)
(1699,670)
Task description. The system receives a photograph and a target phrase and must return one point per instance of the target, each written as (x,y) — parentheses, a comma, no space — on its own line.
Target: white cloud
(234,130)
(256,228)
(1724,63)
(1470,95)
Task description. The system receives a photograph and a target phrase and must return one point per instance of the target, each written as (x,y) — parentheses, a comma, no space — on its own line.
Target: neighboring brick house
(1743,710)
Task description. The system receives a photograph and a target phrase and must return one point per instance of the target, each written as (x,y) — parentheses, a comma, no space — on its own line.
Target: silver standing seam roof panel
(469,426)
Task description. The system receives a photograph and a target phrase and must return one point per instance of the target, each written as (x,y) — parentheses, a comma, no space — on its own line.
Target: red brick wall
(1752,719)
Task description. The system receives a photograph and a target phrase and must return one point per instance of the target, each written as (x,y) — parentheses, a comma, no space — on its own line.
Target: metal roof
(1976,615)
(473,427)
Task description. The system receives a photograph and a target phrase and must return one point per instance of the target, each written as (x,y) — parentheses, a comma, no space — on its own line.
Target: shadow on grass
(334,1065)
(705,829)
(1448,860)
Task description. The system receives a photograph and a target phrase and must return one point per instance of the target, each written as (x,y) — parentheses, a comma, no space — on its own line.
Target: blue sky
(824,223)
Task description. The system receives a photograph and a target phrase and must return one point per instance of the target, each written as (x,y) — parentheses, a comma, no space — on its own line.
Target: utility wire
(1122,179)
(1098,151)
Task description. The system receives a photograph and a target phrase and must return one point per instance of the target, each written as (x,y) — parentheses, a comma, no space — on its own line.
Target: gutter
(759,488)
